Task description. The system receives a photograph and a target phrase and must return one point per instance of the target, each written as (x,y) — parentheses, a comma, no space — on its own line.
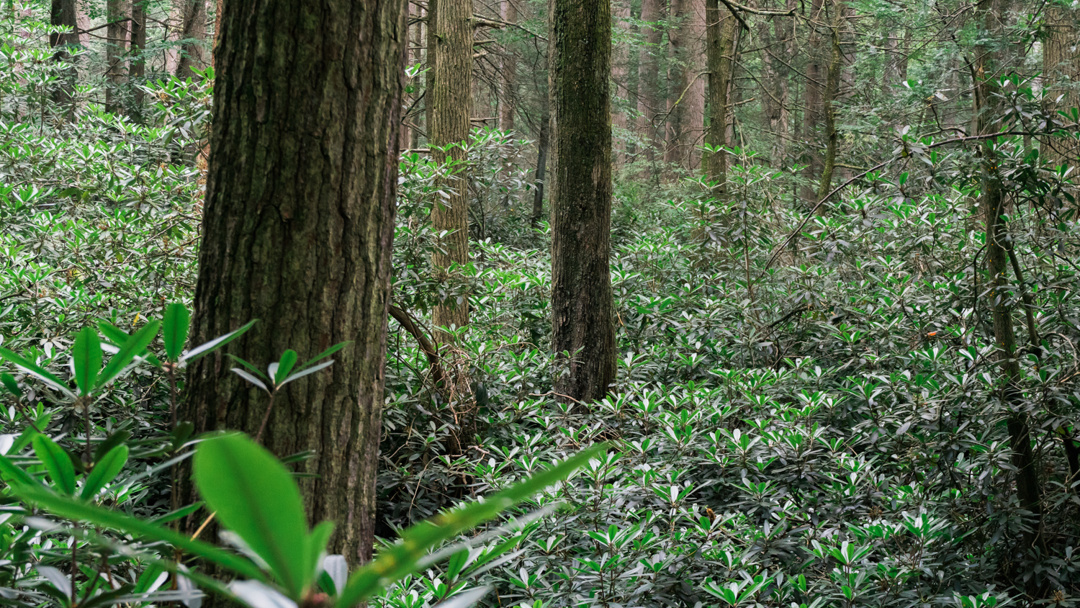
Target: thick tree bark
(722,30)
(989,56)
(688,90)
(297,232)
(63,93)
(451,101)
(137,68)
(648,76)
(581,296)
(508,74)
(193,37)
(116,34)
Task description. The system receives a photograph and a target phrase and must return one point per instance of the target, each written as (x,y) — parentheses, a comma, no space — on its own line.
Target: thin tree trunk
(297,232)
(193,38)
(137,70)
(722,29)
(581,297)
(620,71)
(688,93)
(989,14)
(774,88)
(828,103)
(63,14)
(812,104)
(648,76)
(115,51)
(508,74)
(543,145)
(451,101)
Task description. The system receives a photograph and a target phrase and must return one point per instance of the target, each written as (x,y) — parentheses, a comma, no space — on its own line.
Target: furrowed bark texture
(648,75)
(828,103)
(451,101)
(688,93)
(720,51)
(620,77)
(297,233)
(137,69)
(1061,66)
(581,296)
(508,73)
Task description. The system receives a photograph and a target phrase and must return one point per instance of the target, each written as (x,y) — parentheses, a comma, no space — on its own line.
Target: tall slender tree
(451,105)
(722,30)
(192,35)
(508,73)
(648,94)
(581,297)
(64,14)
(116,35)
(688,85)
(137,64)
(297,232)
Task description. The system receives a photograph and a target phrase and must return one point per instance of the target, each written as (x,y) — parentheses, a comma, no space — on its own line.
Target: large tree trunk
(620,72)
(581,297)
(720,52)
(988,60)
(451,104)
(649,76)
(1061,74)
(297,233)
(688,90)
(116,33)
(508,74)
(137,71)
(63,14)
(193,36)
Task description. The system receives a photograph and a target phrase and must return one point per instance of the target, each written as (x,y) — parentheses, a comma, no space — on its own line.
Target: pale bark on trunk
(451,101)
(1061,77)
(192,34)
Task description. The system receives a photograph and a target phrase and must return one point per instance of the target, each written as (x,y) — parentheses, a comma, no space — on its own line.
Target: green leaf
(74,509)
(317,542)
(255,496)
(37,371)
(105,470)
(117,336)
(86,354)
(56,462)
(128,351)
(400,559)
(14,475)
(201,351)
(280,370)
(11,384)
(175,326)
(110,442)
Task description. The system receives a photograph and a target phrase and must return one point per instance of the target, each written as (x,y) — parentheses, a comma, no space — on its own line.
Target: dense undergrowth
(811,422)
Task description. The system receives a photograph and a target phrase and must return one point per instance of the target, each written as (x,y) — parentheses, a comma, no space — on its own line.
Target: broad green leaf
(316,544)
(284,366)
(57,463)
(174,330)
(400,559)
(117,336)
(13,475)
(201,351)
(74,509)
(37,371)
(86,355)
(105,470)
(255,496)
(128,351)
(11,384)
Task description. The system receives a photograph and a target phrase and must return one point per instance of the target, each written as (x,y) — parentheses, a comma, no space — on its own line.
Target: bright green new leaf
(14,475)
(255,496)
(105,470)
(57,463)
(86,356)
(128,351)
(174,330)
(284,366)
